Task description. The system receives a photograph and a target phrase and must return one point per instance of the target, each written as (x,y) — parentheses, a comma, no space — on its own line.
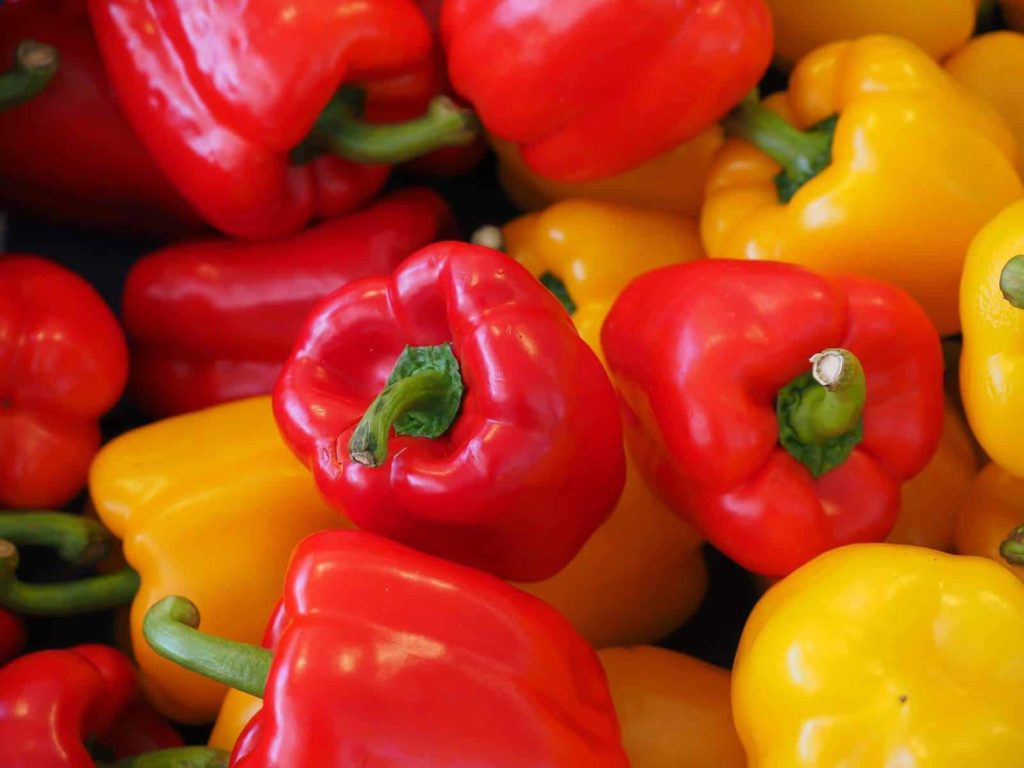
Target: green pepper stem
(179,757)
(170,629)
(34,66)
(1011,282)
(836,406)
(97,593)
(1012,548)
(79,540)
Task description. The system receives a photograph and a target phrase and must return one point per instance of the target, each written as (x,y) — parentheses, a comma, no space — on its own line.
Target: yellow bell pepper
(994,507)
(672,181)
(992,66)
(935,26)
(235,713)
(209,505)
(916,166)
(880,655)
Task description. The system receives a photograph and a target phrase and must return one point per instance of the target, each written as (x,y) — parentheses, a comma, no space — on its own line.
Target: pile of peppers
(511,384)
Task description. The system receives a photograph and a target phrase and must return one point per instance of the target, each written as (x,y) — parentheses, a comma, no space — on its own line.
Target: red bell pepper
(774,466)
(240,102)
(520,471)
(12,636)
(67,152)
(71,708)
(63,363)
(607,84)
(214,320)
(386,656)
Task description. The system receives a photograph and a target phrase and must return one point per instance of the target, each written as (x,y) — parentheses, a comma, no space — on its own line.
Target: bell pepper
(12,636)
(885,129)
(595,69)
(989,521)
(210,503)
(243,107)
(775,460)
(72,709)
(672,181)
(67,153)
(880,654)
(937,27)
(508,447)
(63,363)
(988,66)
(931,501)
(384,655)
(214,320)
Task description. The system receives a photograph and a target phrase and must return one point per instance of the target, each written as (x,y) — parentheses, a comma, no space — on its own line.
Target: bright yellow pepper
(992,66)
(880,655)
(673,181)
(992,362)
(935,26)
(916,167)
(994,507)
(209,505)
(235,713)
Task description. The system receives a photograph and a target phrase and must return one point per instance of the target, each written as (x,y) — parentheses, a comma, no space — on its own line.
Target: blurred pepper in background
(991,514)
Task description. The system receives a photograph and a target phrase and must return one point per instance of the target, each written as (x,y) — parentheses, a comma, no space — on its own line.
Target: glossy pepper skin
(211,504)
(533,462)
(53,702)
(938,27)
(12,636)
(214,320)
(63,364)
(909,138)
(879,654)
(221,94)
(68,153)
(993,509)
(570,105)
(700,353)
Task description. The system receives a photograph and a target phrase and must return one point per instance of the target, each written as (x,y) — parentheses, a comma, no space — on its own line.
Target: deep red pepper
(532,462)
(385,656)
(63,363)
(607,84)
(68,153)
(224,94)
(12,636)
(702,354)
(214,320)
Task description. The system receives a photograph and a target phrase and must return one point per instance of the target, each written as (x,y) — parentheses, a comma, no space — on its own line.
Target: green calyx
(1012,548)
(179,757)
(557,287)
(422,398)
(35,64)
(1011,282)
(820,413)
(802,154)
(339,130)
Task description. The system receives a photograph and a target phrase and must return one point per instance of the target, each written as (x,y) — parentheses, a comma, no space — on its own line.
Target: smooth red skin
(533,463)
(63,363)
(68,153)
(139,729)
(388,657)
(51,702)
(699,352)
(220,92)
(214,320)
(607,84)
(12,636)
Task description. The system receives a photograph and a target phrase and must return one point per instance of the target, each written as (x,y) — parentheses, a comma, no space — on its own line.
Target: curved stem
(68,598)
(1011,281)
(1012,548)
(170,628)
(34,66)
(179,757)
(79,540)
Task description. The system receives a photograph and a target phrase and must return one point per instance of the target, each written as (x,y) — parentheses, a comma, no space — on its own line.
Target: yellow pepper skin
(884,655)
(992,66)
(994,507)
(674,709)
(936,26)
(932,500)
(919,165)
(235,713)
(209,505)
(673,181)
(991,372)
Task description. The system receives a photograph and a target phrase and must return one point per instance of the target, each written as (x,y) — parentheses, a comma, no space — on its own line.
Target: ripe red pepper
(386,656)
(711,361)
(70,708)
(63,363)
(237,101)
(214,320)
(533,460)
(607,84)
(12,636)
(67,152)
